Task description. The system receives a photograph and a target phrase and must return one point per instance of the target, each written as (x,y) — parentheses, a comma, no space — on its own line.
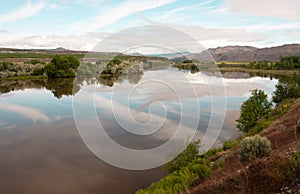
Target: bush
(183,170)
(62,66)
(281,107)
(254,147)
(260,125)
(180,180)
(212,152)
(38,71)
(219,164)
(285,91)
(34,62)
(253,109)
(229,144)
(188,155)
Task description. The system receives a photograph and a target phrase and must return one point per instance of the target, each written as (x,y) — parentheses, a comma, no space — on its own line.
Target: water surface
(42,152)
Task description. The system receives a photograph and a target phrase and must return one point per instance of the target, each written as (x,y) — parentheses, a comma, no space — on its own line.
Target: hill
(244,53)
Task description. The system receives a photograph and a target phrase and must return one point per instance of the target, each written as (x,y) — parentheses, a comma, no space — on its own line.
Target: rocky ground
(273,174)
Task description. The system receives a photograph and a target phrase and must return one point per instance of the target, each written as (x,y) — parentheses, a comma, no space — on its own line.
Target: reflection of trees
(187,65)
(90,73)
(59,87)
(7,86)
(118,73)
(62,86)
(118,70)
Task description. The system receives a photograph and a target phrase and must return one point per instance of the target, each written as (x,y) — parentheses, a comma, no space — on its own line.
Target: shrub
(184,169)
(38,71)
(254,147)
(188,155)
(285,91)
(34,62)
(219,164)
(229,144)
(181,179)
(260,125)
(62,66)
(281,107)
(212,152)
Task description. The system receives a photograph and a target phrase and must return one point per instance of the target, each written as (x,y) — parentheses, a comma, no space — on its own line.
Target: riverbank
(275,173)
(29,77)
(262,71)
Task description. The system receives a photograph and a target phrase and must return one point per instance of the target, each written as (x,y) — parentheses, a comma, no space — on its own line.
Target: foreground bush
(254,147)
(180,180)
(183,159)
(183,170)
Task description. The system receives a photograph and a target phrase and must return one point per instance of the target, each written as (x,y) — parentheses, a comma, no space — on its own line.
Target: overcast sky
(81,24)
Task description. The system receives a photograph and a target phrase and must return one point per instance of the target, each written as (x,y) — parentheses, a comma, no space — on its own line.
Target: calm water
(42,152)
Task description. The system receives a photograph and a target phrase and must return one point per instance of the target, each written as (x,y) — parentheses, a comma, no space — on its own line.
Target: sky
(82,24)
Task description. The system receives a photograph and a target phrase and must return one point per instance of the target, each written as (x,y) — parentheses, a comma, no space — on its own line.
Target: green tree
(256,107)
(62,66)
(285,91)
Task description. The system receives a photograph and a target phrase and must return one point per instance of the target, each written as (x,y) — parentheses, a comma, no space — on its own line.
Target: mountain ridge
(219,54)
(243,53)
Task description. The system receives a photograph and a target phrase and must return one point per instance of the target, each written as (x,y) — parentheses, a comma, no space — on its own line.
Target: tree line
(60,66)
(284,63)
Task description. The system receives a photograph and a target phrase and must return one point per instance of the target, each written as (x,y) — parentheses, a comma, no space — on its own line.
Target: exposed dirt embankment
(273,174)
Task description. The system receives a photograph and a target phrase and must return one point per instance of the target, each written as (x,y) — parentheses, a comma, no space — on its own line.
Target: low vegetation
(187,65)
(256,114)
(284,63)
(286,90)
(60,66)
(254,147)
(183,170)
(34,55)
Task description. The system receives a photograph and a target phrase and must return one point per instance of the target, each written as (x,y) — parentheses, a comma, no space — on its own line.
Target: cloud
(272,27)
(292,33)
(4,32)
(121,11)
(287,9)
(6,126)
(213,36)
(173,12)
(231,34)
(26,112)
(26,11)
(73,42)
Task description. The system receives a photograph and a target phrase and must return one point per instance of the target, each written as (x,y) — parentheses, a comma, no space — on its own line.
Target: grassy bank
(224,161)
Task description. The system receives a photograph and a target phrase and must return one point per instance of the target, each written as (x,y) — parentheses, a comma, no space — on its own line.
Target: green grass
(232,63)
(181,179)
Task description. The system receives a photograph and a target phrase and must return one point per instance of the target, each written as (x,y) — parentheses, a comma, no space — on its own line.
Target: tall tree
(256,107)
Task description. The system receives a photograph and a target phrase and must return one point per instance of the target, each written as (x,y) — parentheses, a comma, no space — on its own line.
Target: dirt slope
(272,174)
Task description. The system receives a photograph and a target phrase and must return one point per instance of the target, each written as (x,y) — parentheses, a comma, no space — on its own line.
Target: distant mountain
(163,55)
(60,49)
(244,53)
